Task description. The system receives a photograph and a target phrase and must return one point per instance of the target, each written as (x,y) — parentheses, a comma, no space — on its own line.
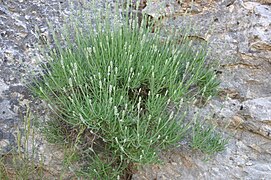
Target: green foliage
(207,139)
(102,166)
(117,79)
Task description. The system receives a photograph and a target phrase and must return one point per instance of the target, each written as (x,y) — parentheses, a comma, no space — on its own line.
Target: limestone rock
(258,109)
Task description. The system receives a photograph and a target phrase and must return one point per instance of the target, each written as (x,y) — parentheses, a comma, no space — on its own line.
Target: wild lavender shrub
(118,78)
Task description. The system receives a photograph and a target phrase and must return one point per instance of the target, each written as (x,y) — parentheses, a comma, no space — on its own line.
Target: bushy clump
(118,78)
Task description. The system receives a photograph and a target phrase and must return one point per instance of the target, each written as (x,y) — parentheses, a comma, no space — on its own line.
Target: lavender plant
(117,77)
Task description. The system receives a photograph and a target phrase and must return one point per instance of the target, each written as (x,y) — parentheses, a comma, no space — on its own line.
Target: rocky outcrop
(240,36)
(18,22)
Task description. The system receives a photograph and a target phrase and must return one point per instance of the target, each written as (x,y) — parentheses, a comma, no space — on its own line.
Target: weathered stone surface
(258,109)
(18,20)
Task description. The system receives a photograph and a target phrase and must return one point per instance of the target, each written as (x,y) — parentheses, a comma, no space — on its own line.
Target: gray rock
(18,20)
(258,109)
(5,112)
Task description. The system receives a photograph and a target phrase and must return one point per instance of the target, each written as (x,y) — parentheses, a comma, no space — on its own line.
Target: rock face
(19,20)
(239,33)
(240,36)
